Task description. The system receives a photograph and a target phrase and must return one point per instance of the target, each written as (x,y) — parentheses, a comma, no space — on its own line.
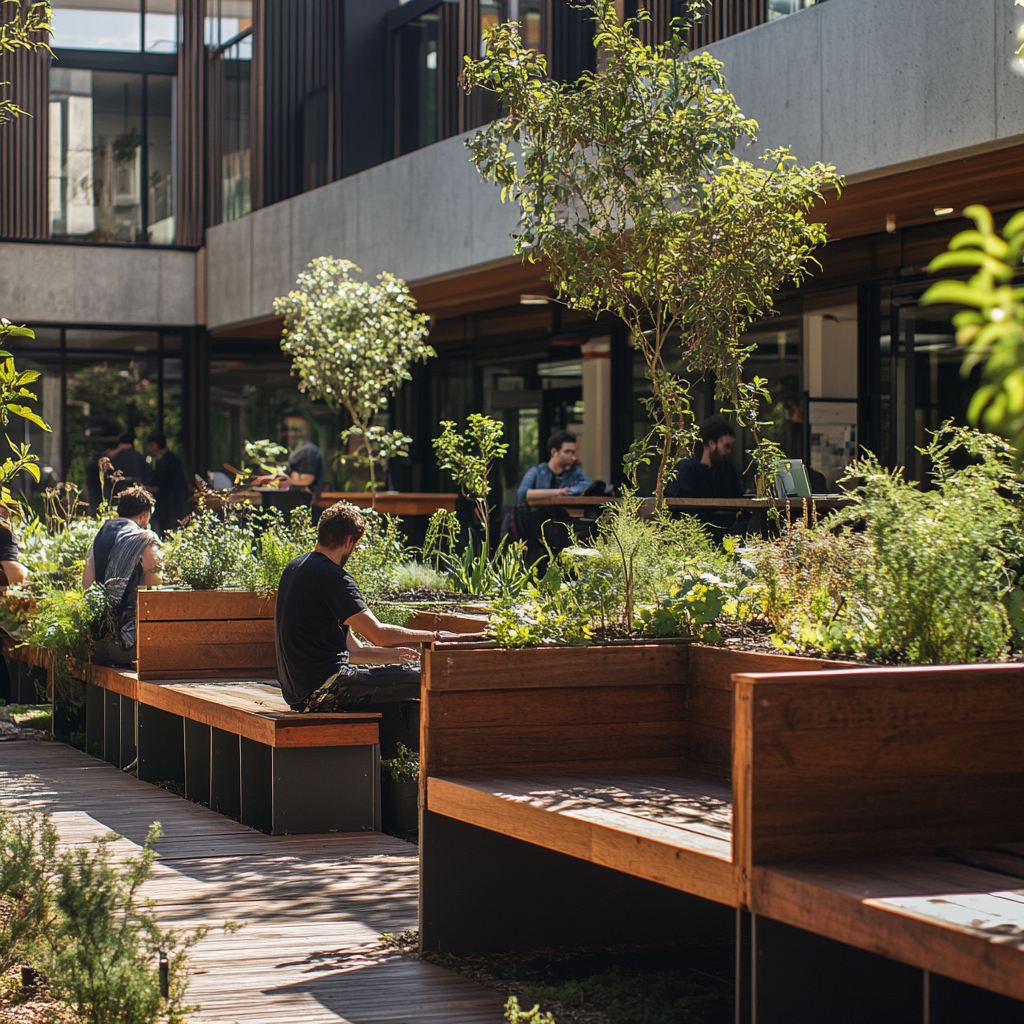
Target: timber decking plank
(671,830)
(313,907)
(258,712)
(949,918)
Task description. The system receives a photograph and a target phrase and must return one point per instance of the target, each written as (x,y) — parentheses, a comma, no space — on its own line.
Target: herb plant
(208,552)
(281,540)
(403,768)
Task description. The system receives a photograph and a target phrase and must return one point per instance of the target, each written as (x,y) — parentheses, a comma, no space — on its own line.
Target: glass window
(98,25)
(161,26)
(45,444)
(160,158)
(236,192)
(416,68)
(531,24)
(113,341)
(226,19)
(101,152)
(783,8)
(492,13)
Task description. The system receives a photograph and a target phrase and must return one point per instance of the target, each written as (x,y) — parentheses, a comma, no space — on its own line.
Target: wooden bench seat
(949,916)
(235,746)
(671,829)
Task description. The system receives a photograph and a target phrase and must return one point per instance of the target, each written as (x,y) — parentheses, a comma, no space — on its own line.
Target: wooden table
(823,503)
(396,503)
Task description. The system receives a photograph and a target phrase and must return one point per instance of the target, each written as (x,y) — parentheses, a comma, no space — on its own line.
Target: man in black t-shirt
(169,484)
(321,665)
(306,469)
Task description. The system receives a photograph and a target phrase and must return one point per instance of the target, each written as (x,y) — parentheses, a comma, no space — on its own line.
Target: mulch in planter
(660,983)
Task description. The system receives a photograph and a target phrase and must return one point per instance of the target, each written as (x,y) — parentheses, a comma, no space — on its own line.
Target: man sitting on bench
(321,666)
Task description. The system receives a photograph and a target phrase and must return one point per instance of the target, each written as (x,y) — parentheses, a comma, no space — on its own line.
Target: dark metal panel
(346,798)
(257,784)
(161,746)
(129,727)
(197,762)
(111,727)
(225,790)
(93,720)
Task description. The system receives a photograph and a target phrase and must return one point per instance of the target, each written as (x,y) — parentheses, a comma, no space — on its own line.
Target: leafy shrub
(516,1016)
(280,542)
(403,768)
(554,609)
(208,552)
(79,920)
(690,605)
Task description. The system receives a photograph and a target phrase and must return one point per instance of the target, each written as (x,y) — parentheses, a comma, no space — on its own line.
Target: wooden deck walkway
(313,906)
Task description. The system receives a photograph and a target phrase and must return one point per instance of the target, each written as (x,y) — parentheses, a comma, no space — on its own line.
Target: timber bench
(570,806)
(234,746)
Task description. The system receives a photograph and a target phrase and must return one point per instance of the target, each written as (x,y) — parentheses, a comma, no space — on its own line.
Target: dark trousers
(392,691)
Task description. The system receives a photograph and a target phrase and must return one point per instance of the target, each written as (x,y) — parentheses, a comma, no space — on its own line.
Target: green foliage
(283,538)
(690,605)
(374,563)
(353,344)
(555,609)
(629,187)
(469,458)
(28,29)
(77,917)
(209,552)
(28,848)
(992,327)
(403,768)
(516,1016)
(929,579)
(267,456)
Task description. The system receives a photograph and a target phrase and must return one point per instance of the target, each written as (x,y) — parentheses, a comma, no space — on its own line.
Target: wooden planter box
(205,634)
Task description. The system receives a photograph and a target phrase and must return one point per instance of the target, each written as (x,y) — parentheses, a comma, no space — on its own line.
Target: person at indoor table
(560,475)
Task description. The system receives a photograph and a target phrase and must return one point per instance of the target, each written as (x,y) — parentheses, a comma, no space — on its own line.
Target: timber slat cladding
(875,761)
(955,919)
(193,605)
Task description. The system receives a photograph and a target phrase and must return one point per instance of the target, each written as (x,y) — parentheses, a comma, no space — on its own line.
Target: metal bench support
(161,746)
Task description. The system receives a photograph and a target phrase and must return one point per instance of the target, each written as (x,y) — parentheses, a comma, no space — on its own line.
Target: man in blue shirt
(559,475)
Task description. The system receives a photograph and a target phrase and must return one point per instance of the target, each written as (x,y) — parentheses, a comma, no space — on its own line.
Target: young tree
(22,27)
(471,470)
(352,344)
(630,190)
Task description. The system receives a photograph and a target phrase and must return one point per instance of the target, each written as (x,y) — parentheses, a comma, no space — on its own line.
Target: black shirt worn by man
(315,598)
(171,490)
(132,464)
(695,480)
(308,461)
(9,551)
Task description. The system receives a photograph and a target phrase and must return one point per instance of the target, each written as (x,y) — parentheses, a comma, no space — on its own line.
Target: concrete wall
(97,285)
(868,85)
(420,216)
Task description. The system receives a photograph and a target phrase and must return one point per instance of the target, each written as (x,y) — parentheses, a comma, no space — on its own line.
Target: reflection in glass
(160,158)
(100,150)
(236,194)
(161,26)
(45,444)
(531,24)
(416,64)
(112,341)
(98,25)
(492,13)
(226,19)
(783,8)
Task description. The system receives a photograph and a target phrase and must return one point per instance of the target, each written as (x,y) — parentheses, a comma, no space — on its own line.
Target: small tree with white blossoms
(352,344)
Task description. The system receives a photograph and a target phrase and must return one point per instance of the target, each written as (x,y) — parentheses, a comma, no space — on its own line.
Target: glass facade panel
(112,341)
(416,68)
(98,25)
(161,26)
(492,13)
(160,159)
(236,191)
(783,8)
(47,445)
(226,19)
(101,152)
(532,24)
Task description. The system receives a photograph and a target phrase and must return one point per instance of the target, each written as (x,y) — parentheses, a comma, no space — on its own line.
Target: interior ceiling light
(943,211)
(533,300)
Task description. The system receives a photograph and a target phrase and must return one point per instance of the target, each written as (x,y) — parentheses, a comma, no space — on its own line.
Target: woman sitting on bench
(321,666)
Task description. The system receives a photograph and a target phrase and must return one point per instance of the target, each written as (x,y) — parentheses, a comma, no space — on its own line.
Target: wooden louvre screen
(24,156)
(720,19)
(191,99)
